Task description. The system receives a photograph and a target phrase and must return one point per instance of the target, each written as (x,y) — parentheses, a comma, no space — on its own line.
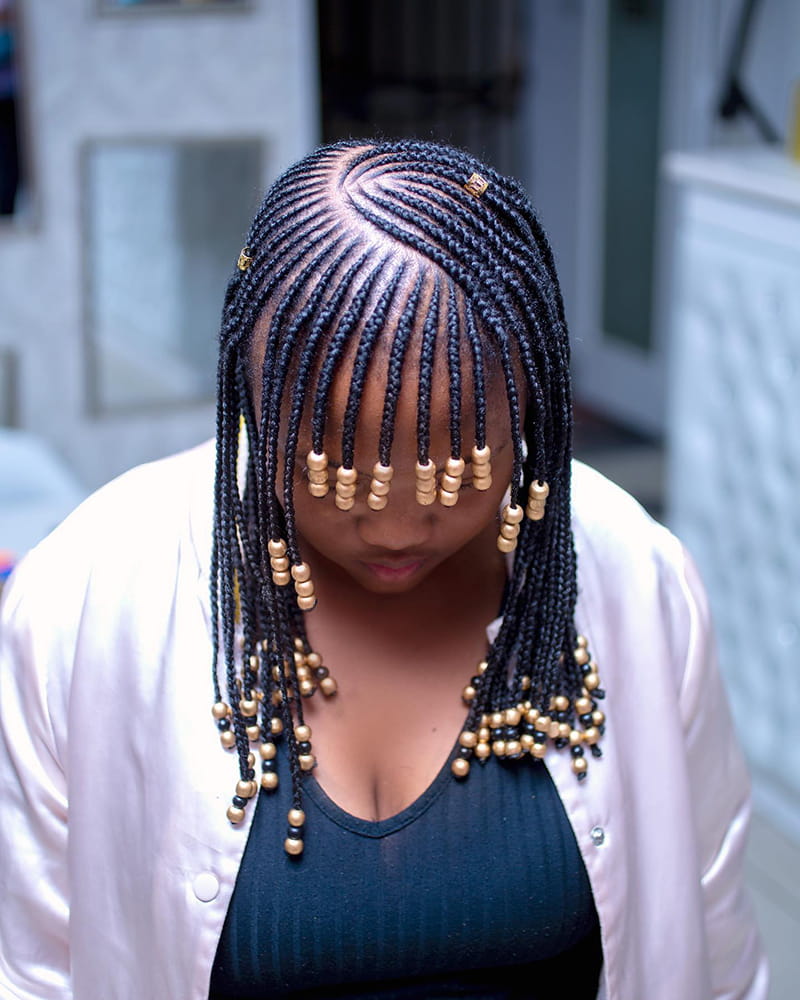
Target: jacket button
(598,835)
(206,886)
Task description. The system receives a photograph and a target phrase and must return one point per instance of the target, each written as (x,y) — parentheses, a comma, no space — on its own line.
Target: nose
(399,527)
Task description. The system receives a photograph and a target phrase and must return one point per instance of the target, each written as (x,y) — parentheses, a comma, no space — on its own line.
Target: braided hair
(406,244)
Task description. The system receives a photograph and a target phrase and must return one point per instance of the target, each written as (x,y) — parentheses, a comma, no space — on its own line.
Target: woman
(406,801)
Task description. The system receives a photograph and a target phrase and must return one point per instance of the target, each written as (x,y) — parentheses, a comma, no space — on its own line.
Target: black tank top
(477,889)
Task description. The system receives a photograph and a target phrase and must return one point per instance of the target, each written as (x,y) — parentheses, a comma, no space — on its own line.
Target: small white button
(206,886)
(598,835)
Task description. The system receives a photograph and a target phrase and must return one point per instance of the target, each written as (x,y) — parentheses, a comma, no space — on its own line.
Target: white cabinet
(733,491)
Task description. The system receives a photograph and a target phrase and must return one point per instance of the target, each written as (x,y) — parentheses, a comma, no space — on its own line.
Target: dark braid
(361,244)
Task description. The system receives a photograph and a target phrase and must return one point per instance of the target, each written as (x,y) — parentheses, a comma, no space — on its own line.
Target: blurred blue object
(36,491)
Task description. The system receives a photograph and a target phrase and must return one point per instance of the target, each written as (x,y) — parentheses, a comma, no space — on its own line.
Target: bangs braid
(426,357)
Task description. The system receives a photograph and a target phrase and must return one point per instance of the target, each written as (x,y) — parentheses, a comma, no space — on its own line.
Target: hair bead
(425,482)
(303,586)
(481,467)
(345,487)
(317,466)
(538,491)
(509,528)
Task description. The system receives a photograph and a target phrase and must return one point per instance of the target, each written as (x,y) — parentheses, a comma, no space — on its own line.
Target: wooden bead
(267,751)
(513,748)
(228,739)
(482,482)
(460,767)
(543,723)
(318,477)
(454,467)
(499,748)
(526,742)
(306,761)
(317,460)
(346,492)
(277,547)
(468,694)
(220,710)
(450,483)
(538,750)
(318,489)
(564,729)
(512,513)
(581,656)
(306,688)
(269,781)
(248,706)
(481,456)
(314,660)
(448,499)
(374,502)
(468,739)
(598,717)
(591,681)
(532,715)
(424,499)
(293,846)
(510,531)
(253,733)
(484,734)
(579,765)
(305,588)
(302,733)
(534,513)
(506,544)
(538,490)
(575,738)
(281,579)
(345,503)
(561,703)
(591,735)
(306,603)
(347,477)
(296,817)
(512,717)
(582,641)
(553,729)
(301,572)
(246,789)
(583,705)
(497,719)
(426,471)
(276,725)
(383,473)
(251,760)
(328,686)
(235,814)
(379,489)
(483,751)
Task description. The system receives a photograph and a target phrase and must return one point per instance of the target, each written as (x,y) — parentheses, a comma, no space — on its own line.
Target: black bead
(304,747)
(268,765)
(321,673)
(560,743)
(510,733)
(465,752)
(250,774)
(476,680)
(598,693)
(596,751)
(295,833)
(581,776)
(239,801)
(223,725)
(539,736)
(602,728)
(586,718)
(498,734)
(577,751)
(528,728)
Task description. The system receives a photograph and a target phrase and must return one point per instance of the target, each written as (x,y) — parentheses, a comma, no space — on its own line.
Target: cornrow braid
(363,244)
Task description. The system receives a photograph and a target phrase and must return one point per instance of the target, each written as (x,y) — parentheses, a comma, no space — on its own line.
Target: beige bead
(346,492)
(292,846)
(346,476)
(564,729)
(345,503)
(509,531)
(235,814)
(579,765)
(497,719)
(328,686)
(379,489)
(513,748)
(468,739)
(251,760)
(483,751)
(306,603)
(301,572)
(583,705)
(591,735)
(499,748)
(447,499)
(220,710)
(426,471)
(318,477)
(276,725)
(553,730)
(302,733)
(314,660)
(248,706)
(306,761)
(483,666)
(247,789)
(468,693)
(299,645)
(296,817)
(560,703)
(318,489)
(374,502)
(539,750)
(581,640)
(575,737)
(425,499)
(450,483)
(512,717)
(539,491)
(277,698)
(454,467)
(383,473)
(543,723)
(306,688)
(460,767)
(482,482)
(267,751)
(228,739)
(317,461)
(598,717)
(276,548)
(581,656)
(526,741)
(512,513)
(484,734)
(481,456)
(534,513)
(281,579)
(506,545)
(532,715)
(591,681)
(269,781)
(305,588)
(253,733)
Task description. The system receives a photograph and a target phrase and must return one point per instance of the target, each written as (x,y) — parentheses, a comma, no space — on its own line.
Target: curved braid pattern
(357,245)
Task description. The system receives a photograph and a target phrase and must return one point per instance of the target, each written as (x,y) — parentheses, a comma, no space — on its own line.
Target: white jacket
(117,862)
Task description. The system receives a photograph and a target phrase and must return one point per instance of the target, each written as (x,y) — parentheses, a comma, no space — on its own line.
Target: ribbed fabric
(475,890)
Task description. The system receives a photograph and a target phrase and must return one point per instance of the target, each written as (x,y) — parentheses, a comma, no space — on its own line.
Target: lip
(393,572)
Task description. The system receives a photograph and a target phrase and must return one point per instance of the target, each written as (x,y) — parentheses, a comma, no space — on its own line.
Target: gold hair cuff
(476,185)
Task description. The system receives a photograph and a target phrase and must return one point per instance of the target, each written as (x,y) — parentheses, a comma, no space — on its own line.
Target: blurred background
(659,141)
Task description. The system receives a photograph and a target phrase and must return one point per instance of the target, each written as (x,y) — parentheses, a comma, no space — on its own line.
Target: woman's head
(395,316)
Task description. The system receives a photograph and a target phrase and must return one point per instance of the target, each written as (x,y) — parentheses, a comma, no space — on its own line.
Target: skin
(404,595)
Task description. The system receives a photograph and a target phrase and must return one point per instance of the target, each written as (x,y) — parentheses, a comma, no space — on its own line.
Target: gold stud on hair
(451,482)
(379,487)
(317,465)
(509,529)
(345,487)
(482,467)
(476,185)
(278,561)
(245,260)
(538,492)
(425,482)
(303,586)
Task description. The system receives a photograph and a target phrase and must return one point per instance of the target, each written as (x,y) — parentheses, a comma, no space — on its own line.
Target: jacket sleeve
(720,791)
(34,915)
